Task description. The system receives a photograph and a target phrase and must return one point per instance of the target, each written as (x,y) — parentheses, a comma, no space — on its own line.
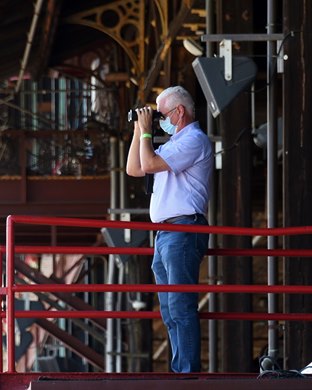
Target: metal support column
(122,197)
(271,177)
(212,218)
(109,296)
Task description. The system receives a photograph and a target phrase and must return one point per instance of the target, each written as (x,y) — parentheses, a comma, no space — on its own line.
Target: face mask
(167,126)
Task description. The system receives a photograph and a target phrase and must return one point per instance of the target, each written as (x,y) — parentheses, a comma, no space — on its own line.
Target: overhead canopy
(33,37)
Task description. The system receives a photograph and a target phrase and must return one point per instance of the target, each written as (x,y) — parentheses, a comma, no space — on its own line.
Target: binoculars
(133,116)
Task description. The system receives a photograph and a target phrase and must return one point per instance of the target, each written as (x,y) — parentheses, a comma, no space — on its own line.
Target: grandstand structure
(70,71)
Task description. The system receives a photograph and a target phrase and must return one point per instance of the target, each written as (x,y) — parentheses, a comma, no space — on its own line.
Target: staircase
(56,333)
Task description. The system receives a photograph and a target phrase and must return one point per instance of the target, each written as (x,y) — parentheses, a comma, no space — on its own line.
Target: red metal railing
(11,288)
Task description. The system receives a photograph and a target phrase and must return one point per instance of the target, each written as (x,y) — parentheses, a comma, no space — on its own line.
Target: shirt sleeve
(183,152)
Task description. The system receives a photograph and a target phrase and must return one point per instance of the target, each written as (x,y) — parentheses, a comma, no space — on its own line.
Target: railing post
(10,322)
(1,310)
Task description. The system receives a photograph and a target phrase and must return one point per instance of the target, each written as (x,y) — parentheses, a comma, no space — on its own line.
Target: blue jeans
(177,258)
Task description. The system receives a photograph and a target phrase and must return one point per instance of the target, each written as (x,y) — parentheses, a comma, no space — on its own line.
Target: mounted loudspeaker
(218,91)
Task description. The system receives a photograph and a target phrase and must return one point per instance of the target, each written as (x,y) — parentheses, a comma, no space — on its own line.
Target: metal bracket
(280,56)
(226,46)
(127,232)
(226,52)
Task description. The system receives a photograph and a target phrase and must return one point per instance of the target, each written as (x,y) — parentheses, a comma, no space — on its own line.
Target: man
(182,169)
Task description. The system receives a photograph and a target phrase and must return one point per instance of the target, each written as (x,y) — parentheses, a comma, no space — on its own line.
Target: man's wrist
(146,135)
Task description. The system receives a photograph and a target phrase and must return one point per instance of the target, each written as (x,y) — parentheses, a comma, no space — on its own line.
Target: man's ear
(181,109)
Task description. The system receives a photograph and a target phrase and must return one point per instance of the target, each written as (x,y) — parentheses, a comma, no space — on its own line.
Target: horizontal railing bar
(200,288)
(146,251)
(225,230)
(156,315)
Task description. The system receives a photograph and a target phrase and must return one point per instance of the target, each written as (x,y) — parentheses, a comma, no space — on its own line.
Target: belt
(178,217)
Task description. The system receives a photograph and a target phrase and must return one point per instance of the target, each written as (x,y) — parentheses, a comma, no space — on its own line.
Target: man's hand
(145,117)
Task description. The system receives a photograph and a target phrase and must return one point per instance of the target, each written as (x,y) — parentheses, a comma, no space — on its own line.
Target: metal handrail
(11,288)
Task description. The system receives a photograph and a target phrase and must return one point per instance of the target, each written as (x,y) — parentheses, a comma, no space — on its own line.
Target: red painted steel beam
(200,288)
(10,319)
(250,316)
(149,380)
(228,230)
(179,384)
(3,291)
(144,251)
(24,249)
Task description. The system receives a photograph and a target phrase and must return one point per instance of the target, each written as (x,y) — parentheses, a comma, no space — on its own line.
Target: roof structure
(33,36)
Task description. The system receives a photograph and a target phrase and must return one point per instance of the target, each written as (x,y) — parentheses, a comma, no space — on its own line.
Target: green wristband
(146,135)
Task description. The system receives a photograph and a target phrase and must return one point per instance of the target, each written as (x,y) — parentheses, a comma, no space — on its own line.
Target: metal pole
(121,266)
(30,38)
(121,269)
(10,325)
(109,296)
(212,260)
(1,309)
(271,179)
(122,176)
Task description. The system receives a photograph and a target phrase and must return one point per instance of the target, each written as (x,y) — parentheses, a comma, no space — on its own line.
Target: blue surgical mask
(167,126)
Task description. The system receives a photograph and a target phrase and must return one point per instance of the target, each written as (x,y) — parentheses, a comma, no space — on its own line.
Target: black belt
(178,217)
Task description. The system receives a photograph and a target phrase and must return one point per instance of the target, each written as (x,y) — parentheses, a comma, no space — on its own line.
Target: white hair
(175,96)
